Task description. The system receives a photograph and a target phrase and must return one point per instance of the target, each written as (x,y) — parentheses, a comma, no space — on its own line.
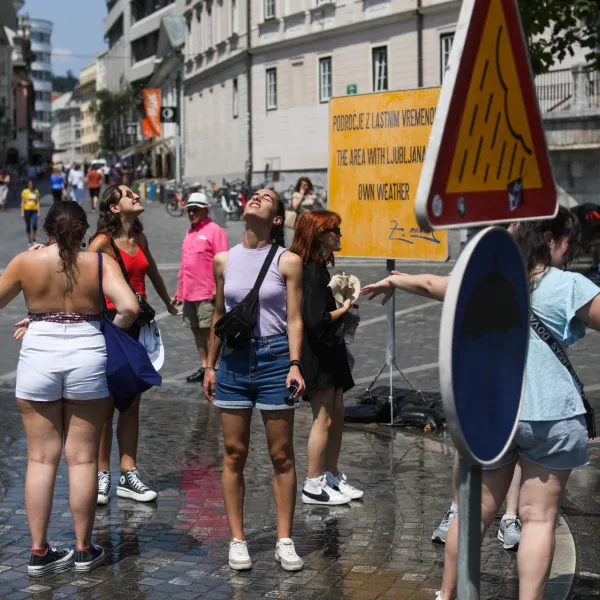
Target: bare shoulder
(290,263)
(143,240)
(100,244)
(220,261)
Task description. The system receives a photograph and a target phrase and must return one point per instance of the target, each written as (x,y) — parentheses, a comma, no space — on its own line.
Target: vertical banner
(151,124)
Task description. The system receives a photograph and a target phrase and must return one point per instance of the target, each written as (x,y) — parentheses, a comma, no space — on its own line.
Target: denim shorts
(255,375)
(560,445)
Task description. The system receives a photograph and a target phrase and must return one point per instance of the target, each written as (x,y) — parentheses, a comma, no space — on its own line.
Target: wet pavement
(177,547)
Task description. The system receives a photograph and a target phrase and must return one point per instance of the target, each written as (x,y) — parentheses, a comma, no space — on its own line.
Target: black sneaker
(86,560)
(130,486)
(54,560)
(197,377)
(103,487)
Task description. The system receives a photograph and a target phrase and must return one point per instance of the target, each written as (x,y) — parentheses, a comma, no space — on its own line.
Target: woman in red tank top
(120,235)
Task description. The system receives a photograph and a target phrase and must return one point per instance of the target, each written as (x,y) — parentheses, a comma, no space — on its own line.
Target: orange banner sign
(152,101)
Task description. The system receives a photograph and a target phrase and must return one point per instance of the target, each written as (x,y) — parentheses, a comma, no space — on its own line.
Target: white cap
(198,199)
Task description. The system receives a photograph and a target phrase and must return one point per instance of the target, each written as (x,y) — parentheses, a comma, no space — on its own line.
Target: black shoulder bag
(147,313)
(546,336)
(235,328)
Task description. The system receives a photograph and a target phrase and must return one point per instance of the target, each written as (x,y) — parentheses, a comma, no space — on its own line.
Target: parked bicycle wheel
(174,206)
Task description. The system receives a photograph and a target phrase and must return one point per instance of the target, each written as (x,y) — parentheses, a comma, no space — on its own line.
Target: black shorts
(94,192)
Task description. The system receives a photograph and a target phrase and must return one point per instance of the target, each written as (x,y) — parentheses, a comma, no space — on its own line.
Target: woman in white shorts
(61,378)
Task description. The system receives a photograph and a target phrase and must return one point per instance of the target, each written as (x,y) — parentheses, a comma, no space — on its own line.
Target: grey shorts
(560,445)
(198,314)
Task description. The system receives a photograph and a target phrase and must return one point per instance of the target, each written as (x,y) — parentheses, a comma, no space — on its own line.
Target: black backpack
(235,328)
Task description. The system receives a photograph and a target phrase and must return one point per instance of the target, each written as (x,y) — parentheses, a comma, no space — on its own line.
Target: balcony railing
(557,90)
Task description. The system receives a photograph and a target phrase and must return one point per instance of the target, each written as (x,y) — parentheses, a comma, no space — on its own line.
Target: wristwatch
(296,363)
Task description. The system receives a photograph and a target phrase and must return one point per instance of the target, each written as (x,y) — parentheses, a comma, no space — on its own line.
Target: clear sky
(78,33)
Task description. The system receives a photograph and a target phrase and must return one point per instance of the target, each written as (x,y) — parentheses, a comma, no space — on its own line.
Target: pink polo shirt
(196,278)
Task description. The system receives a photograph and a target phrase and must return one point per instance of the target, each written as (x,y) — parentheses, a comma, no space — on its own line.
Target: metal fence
(555,90)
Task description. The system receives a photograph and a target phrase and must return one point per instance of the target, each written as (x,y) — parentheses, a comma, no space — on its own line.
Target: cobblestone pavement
(177,548)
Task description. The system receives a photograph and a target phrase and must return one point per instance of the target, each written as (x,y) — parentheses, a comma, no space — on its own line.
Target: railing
(557,90)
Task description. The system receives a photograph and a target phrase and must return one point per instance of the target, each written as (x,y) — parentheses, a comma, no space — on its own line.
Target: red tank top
(137,268)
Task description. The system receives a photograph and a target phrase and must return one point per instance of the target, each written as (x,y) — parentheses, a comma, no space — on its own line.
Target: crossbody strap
(119,259)
(265,268)
(546,336)
(102,298)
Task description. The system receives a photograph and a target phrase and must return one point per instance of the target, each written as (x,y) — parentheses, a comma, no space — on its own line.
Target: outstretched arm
(430,286)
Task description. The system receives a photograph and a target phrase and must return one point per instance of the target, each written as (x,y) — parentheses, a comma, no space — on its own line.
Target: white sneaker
(319,492)
(285,554)
(341,483)
(239,559)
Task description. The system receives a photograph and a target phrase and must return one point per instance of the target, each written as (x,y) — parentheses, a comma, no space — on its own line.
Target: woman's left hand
(23,325)
(173,310)
(294,376)
(384,287)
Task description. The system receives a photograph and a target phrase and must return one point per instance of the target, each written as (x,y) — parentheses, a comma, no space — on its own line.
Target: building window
(325,79)
(236,99)
(198,32)
(446,41)
(380,69)
(271,89)
(144,47)
(269,9)
(234,17)
(209,26)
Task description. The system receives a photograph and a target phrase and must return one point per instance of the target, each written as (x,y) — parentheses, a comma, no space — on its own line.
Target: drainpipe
(250,163)
(419,44)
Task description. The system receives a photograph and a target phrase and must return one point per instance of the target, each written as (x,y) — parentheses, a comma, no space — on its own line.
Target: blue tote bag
(129,371)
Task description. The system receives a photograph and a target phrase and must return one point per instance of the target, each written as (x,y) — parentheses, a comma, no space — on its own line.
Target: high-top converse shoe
(130,486)
(103,487)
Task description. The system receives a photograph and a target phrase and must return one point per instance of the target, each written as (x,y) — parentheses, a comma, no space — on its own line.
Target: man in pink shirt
(196,288)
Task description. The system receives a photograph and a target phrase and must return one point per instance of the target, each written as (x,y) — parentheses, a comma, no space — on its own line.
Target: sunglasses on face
(335,230)
(193,211)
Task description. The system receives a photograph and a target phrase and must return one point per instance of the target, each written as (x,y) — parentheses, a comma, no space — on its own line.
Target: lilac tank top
(241,272)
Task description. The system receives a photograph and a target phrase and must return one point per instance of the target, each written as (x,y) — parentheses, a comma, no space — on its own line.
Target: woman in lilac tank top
(265,373)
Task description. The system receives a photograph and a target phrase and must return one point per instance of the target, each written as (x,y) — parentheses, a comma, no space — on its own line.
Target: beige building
(303,52)
(90,130)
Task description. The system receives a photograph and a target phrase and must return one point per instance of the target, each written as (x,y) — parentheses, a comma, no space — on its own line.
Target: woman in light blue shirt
(551,437)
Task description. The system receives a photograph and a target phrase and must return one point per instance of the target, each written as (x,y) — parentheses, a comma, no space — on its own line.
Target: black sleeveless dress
(324,360)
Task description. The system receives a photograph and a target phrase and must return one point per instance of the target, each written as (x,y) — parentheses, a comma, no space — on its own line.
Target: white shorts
(62,360)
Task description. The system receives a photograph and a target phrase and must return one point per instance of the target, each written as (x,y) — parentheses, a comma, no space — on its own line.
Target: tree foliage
(564,24)
(113,111)
(64,83)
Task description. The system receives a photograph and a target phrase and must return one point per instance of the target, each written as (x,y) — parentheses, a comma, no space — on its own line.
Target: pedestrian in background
(30,211)
(94,183)
(4,182)
(120,236)
(196,288)
(264,372)
(57,185)
(325,361)
(303,197)
(61,378)
(552,434)
(76,182)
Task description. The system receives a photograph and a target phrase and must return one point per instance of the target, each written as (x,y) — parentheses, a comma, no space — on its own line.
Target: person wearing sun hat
(196,287)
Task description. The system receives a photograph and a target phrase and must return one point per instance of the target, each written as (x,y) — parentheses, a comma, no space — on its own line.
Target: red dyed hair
(309,228)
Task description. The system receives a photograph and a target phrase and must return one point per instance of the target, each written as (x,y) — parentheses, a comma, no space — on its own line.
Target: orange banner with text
(151,124)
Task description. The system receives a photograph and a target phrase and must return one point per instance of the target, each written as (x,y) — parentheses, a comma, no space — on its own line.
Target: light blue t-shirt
(551,394)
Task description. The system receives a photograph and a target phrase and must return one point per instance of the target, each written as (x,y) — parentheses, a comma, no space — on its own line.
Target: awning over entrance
(146,146)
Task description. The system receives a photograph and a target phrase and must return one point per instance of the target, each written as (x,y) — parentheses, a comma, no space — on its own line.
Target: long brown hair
(109,223)
(309,227)
(67,224)
(302,180)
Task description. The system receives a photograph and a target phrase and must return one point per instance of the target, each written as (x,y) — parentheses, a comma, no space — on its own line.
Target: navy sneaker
(86,560)
(54,560)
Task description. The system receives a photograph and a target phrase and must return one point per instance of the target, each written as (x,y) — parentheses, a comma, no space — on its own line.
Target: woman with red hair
(324,357)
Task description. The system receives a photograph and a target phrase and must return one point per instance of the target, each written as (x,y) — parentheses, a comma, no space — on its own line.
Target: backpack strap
(265,268)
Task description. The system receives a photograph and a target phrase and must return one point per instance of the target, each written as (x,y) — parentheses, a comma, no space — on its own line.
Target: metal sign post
(390,350)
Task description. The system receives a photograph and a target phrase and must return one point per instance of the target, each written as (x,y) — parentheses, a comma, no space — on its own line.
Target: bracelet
(210,369)
(296,363)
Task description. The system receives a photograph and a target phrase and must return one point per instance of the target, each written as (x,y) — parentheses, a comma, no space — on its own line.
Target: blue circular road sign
(483,345)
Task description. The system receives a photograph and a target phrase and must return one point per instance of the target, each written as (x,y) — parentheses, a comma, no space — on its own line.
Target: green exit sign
(351,89)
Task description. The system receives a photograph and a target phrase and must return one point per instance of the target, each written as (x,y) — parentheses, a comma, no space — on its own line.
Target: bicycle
(176,202)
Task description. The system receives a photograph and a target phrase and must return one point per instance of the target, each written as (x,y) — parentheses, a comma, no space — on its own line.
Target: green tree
(563,24)
(64,83)
(114,111)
